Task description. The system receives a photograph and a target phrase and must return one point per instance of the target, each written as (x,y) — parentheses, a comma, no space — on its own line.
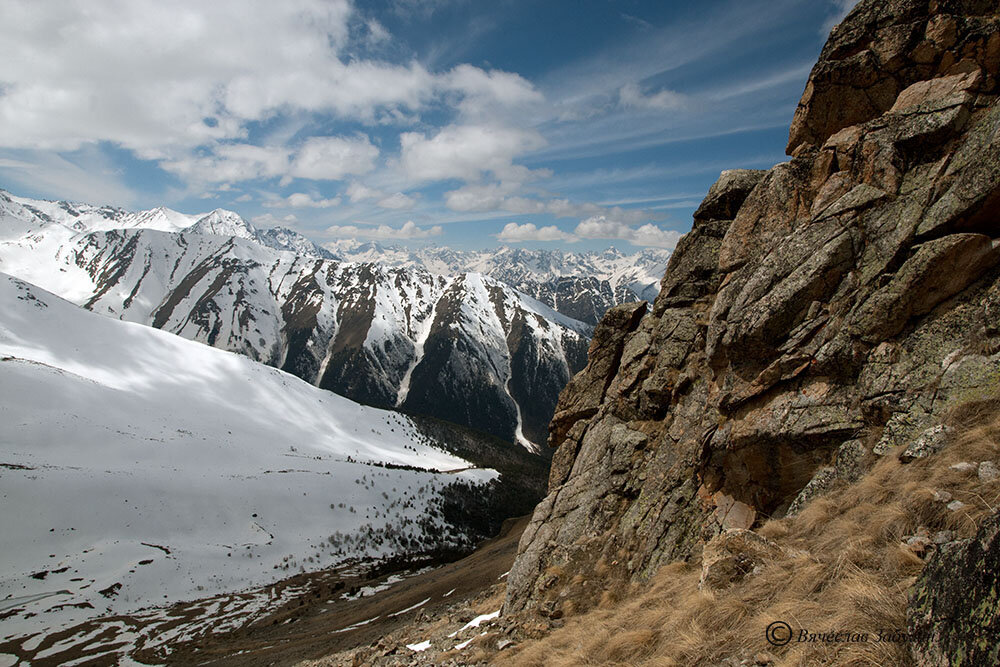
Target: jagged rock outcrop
(952,616)
(843,299)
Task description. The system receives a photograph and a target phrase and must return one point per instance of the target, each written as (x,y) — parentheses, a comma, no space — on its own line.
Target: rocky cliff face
(816,315)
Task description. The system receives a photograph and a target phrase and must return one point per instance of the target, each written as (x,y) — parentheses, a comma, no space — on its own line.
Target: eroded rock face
(843,299)
(880,49)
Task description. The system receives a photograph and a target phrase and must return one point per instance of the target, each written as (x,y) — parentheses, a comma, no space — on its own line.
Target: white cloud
(358,192)
(473,197)
(302,200)
(177,82)
(146,74)
(397,202)
(231,163)
(483,92)
(596,227)
(631,96)
(513,232)
(244,197)
(651,235)
(319,158)
(601,227)
(332,158)
(409,230)
(465,151)
(376,33)
(498,197)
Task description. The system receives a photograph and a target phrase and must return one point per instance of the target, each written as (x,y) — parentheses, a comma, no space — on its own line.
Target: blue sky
(564,123)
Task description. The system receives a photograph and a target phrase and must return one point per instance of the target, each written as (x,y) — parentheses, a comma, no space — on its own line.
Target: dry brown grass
(853,574)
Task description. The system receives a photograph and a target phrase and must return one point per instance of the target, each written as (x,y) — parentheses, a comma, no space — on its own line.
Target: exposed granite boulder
(988,471)
(952,616)
(840,301)
(930,442)
(882,48)
(821,482)
(727,194)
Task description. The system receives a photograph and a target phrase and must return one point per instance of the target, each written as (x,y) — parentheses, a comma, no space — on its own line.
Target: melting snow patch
(32,643)
(368,591)
(474,623)
(461,645)
(419,604)
(422,646)
(448,593)
(357,625)
(504,574)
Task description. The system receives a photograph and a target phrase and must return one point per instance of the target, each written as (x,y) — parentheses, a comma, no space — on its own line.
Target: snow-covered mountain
(580,285)
(15,212)
(465,348)
(221,222)
(282,238)
(138,468)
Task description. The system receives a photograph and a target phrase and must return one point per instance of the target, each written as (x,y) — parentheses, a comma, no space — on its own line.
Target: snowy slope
(15,219)
(138,468)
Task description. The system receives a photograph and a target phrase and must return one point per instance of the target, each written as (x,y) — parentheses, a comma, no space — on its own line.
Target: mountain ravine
(468,349)
(817,315)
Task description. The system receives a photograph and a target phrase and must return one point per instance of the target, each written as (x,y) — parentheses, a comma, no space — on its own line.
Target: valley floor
(301,618)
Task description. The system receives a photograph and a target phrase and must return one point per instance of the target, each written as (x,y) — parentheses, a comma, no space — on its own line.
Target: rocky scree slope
(817,314)
(467,348)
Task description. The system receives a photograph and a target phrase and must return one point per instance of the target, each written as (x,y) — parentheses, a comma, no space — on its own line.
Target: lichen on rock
(952,617)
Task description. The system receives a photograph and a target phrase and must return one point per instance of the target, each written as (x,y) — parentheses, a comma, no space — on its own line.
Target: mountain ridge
(582,285)
(465,347)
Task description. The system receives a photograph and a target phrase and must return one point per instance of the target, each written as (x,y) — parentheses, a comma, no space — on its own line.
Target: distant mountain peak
(283,238)
(221,222)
